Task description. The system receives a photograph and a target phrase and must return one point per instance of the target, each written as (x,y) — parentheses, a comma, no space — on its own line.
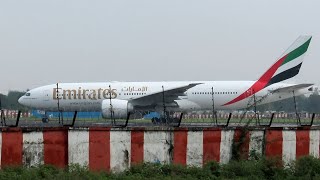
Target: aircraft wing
(291,88)
(168,96)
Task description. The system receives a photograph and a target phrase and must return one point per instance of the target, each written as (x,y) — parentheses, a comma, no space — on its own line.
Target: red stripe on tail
(260,84)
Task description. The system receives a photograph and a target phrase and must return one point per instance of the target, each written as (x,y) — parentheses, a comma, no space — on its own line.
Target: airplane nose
(20,100)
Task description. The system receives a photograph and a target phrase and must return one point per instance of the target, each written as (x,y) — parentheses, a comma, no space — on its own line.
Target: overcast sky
(44,42)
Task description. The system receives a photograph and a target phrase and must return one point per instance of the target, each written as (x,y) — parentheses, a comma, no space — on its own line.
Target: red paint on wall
(211,144)
(99,149)
(11,152)
(180,146)
(242,140)
(302,143)
(137,141)
(56,147)
(273,143)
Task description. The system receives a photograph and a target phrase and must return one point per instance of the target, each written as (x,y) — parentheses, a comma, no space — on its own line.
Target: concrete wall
(117,149)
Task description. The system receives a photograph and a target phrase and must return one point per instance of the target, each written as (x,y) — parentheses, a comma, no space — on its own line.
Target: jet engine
(117,109)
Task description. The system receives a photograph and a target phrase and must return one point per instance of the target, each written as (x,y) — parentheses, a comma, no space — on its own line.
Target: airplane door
(46,95)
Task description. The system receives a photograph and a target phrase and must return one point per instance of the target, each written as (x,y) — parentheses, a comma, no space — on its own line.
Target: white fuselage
(89,96)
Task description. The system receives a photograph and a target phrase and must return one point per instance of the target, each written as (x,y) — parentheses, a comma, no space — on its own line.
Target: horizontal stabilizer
(291,88)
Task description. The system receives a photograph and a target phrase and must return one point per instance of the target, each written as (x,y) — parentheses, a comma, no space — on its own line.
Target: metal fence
(140,119)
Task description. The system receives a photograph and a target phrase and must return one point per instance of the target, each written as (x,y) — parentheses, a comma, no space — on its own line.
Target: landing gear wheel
(155,120)
(45,119)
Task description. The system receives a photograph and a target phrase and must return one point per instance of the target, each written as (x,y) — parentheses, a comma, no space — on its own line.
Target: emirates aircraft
(116,99)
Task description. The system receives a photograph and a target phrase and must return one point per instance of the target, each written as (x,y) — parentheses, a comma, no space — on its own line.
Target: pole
(255,109)
(111,108)
(295,108)
(58,103)
(164,105)
(214,114)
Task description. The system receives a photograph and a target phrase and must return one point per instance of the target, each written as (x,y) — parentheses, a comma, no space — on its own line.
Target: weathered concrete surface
(33,149)
(226,145)
(116,149)
(120,150)
(157,146)
(314,143)
(289,146)
(256,142)
(78,147)
(195,148)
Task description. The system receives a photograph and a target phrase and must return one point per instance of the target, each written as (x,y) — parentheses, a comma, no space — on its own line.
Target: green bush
(255,168)
(307,166)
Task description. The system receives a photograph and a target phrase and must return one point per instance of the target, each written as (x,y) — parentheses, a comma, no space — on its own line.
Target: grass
(233,121)
(255,168)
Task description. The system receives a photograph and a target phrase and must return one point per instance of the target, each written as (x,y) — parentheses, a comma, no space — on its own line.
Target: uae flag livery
(284,68)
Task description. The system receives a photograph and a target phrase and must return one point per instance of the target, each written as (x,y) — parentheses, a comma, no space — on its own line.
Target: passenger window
(28,94)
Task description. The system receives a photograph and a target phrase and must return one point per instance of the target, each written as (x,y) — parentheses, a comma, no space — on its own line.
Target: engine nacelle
(120,108)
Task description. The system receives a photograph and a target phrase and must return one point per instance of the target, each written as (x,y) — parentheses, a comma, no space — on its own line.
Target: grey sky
(44,42)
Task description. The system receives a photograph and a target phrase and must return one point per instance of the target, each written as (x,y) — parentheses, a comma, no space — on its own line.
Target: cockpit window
(28,94)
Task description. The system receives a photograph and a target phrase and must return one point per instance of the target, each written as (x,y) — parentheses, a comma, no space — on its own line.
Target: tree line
(10,101)
(309,104)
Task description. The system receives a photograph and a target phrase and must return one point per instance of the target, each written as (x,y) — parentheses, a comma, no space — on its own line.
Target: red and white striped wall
(117,149)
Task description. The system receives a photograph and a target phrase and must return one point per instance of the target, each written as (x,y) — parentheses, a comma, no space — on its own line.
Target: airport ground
(204,121)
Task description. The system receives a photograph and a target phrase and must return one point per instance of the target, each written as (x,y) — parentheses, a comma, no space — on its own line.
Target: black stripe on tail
(285,75)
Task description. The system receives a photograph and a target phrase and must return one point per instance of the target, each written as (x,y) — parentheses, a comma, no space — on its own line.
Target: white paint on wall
(195,148)
(33,149)
(157,146)
(288,146)
(78,147)
(256,142)
(120,150)
(314,143)
(226,145)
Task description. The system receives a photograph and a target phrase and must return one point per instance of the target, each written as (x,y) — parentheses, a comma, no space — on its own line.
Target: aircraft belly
(186,105)
(79,105)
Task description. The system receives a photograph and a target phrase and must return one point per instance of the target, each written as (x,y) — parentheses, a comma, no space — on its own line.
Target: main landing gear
(164,120)
(45,117)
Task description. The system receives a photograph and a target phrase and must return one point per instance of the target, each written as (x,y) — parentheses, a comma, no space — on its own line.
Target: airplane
(117,99)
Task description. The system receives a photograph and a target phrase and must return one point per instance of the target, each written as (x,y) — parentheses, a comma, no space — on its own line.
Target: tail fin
(289,64)
(284,68)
